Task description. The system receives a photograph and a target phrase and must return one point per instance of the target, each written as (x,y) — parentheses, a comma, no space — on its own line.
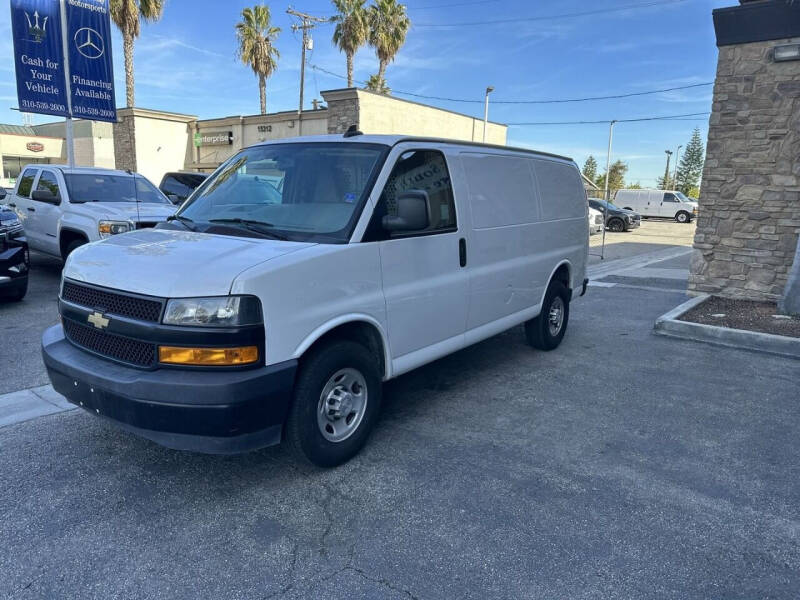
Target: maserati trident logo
(36,29)
(98,320)
(89,43)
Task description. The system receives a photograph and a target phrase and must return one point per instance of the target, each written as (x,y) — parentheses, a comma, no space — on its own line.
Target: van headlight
(107,228)
(220,311)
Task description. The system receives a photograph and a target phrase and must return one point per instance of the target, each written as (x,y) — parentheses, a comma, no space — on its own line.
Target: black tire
(304,436)
(72,246)
(616,225)
(683,217)
(17,295)
(538,331)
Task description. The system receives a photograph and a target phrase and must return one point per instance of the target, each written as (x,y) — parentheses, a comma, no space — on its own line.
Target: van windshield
(682,197)
(300,191)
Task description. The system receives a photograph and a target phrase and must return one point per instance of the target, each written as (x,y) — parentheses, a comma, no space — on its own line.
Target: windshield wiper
(185,221)
(261,227)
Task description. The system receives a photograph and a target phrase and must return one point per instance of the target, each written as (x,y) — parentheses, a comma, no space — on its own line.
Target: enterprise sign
(213,138)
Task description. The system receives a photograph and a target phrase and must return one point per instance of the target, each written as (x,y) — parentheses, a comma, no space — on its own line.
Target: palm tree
(388,26)
(378,85)
(257,37)
(126,15)
(351,30)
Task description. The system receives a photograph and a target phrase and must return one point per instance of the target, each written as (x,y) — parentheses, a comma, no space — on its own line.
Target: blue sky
(186,63)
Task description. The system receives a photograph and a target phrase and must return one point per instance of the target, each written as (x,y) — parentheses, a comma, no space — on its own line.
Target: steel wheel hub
(555,319)
(342,405)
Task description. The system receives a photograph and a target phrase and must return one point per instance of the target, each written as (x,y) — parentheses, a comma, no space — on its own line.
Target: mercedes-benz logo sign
(89,43)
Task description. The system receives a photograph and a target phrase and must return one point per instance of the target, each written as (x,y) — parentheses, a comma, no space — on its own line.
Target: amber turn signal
(218,357)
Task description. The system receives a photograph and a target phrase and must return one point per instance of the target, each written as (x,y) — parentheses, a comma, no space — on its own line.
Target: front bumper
(14,265)
(217,412)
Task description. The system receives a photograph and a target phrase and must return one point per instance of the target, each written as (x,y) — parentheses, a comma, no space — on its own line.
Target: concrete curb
(669,325)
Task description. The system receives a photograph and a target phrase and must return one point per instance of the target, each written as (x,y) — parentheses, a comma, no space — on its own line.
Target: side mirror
(174,199)
(2,193)
(45,196)
(412,212)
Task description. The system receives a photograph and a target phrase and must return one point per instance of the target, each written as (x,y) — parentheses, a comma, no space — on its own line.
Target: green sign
(198,139)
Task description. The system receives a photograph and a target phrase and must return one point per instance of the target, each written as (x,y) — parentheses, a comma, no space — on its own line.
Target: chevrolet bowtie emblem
(98,320)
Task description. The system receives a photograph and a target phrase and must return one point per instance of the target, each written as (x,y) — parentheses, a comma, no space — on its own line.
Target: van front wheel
(546,331)
(682,217)
(336,403)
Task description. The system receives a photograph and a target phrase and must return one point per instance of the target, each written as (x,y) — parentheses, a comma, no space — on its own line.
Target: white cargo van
(658,203)
(305,272)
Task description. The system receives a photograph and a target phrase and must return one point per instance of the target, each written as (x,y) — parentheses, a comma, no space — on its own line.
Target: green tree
(616,180)
(376,84)
(256,37)
(635,186)
(690,168)
(127,15)
(590,168)
(388,26)
(669,184)
(352,30)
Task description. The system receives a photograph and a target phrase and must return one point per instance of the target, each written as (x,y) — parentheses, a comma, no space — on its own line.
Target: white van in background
(658,203)
(306,271)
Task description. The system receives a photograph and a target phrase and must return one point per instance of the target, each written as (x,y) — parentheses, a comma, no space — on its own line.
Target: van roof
(393,140)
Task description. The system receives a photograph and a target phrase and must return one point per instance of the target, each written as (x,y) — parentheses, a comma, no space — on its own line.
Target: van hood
(172,264)
(126,211)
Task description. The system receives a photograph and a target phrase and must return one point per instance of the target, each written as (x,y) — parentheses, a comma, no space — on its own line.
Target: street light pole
(605,191)
(666,171)
(675,176)
(489,90)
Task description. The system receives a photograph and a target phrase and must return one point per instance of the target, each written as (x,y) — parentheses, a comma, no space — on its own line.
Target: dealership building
(153,142)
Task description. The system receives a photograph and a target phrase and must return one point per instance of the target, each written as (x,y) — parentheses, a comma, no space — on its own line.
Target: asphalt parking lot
(621,465)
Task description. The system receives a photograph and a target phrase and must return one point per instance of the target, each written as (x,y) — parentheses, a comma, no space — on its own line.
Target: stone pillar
(343,110)
(749,216)
(125,140)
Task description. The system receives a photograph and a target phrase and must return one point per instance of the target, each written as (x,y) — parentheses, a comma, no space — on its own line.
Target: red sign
(34,146)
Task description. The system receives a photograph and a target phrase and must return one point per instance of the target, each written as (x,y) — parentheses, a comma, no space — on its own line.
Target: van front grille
(133,352)
(133,307)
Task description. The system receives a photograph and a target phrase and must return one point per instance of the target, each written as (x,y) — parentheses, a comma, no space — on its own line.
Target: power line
(553,17)
(429,6)
(606,121)
(549,101)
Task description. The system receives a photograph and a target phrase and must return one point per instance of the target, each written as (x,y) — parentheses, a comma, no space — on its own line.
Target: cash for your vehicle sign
(91,72)
(38,56)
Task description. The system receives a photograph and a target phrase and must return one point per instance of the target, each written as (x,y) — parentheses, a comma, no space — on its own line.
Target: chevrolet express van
(658,203)
(302,274)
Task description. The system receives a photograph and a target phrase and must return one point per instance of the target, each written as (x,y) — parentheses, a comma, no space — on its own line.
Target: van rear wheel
(546,331)
(336,404)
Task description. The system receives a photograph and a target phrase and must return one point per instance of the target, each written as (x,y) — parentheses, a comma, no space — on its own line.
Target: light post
(605,191)
(489,90)
(666,171)
(677,158)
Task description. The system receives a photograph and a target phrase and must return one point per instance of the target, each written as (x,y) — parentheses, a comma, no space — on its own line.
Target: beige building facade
(153,142)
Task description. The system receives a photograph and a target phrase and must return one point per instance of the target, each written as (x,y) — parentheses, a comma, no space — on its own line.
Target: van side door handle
(31,209)
(462,252)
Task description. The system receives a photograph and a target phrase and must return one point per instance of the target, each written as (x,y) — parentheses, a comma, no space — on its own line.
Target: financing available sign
(79,83)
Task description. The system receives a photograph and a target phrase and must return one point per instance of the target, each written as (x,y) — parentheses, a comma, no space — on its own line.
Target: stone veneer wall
(342,113)
(749,216)
(125,141)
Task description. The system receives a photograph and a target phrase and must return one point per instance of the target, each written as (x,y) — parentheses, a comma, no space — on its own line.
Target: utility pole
(605,191)
(307,23)
(666,171)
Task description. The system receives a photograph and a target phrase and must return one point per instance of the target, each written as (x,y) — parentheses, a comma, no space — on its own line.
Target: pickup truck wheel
(72,246)
(18,294)
(682,217)
(336,404)
(546,331)
(616,225)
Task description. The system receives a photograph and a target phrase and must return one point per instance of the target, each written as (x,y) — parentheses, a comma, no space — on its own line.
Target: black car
(617,219)
(14,257)
(179,186)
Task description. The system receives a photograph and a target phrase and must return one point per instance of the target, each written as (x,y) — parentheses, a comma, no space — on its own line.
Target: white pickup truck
(63,208)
